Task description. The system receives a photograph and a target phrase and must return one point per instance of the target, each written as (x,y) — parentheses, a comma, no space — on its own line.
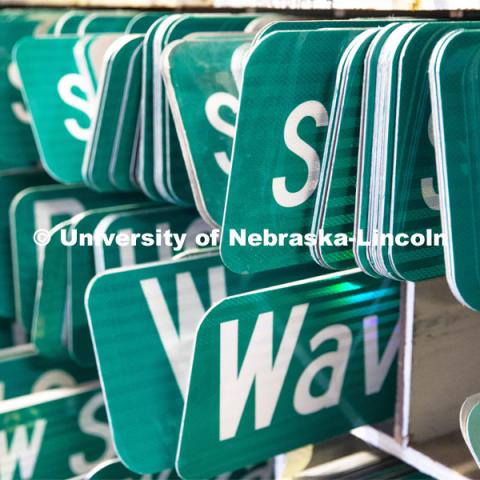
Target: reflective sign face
(279,143)
(170,171)
(287,366)
(203,97)
(152,314)
(60,101)
(455,113)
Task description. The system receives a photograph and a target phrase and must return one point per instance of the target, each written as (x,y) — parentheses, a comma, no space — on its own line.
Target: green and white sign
(150,315)
(287,366)
(203,98)
(279,142)
(454,110)
(60,100)
(170,174)
(56,434)
(40,208)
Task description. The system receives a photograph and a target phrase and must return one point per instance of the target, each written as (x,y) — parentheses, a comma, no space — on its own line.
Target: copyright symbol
(41,237)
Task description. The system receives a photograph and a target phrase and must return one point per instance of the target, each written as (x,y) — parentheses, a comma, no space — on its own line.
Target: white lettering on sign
(178,342)
(212,109)
(303,401)
(45,210)
(309,109)
(430,196)
(66,89)
(269,374)
(258,367)
(18,108)
(22,452)
(90,425)
(375,370)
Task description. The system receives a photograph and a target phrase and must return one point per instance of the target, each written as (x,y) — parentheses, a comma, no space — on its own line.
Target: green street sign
(23,371)
(203,98)
(151,313)
(40,208)
(273,193)
(182,225)
(60,101)
(453,63)
(170,174)
(56,434)
(321,354)
(10,184)
(17,146)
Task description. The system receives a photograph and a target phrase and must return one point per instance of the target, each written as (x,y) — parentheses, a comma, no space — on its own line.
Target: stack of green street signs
(130,141)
